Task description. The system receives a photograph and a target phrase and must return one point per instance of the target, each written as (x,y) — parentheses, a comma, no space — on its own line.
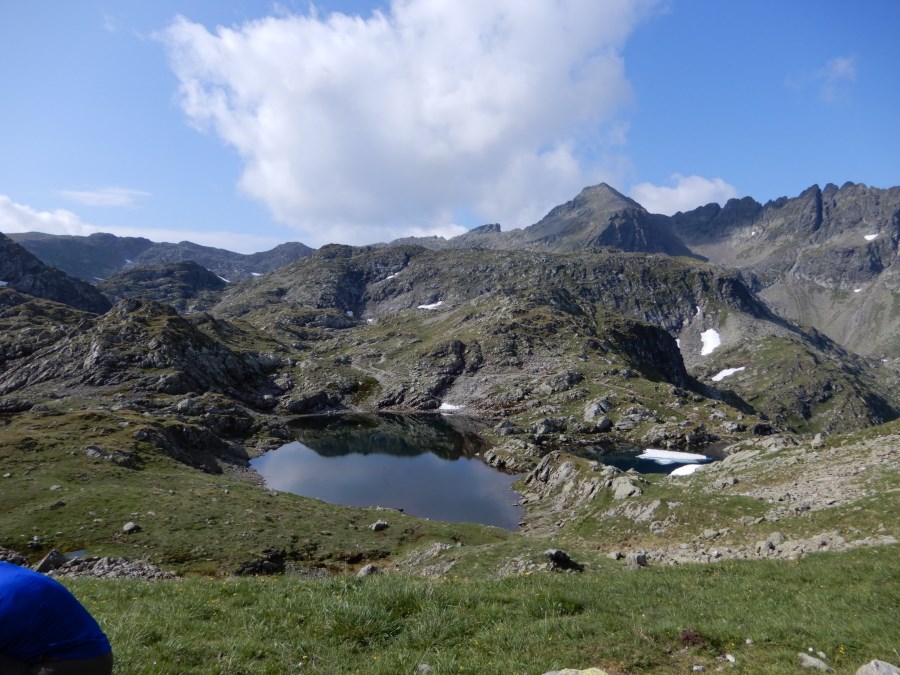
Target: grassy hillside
(654,620)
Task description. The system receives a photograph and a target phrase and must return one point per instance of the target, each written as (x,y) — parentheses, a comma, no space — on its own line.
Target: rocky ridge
(597,217)
(21,271)
(827,258)
(98,256)
(185,285)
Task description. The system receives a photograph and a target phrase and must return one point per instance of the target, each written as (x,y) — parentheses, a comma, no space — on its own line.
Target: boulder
(50,561)
(876,667)
(560,560)
(368,570)
(807,661)
(379,525)
(603,424)
(636,559)
(623,488)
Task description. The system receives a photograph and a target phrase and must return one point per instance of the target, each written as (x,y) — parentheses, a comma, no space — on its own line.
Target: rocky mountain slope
(507,320)
(98,256)
(227,264)
(184,285)
(828,258)
(21,271)
(89,258)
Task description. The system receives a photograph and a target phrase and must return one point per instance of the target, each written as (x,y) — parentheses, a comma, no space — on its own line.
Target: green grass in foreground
(842,604)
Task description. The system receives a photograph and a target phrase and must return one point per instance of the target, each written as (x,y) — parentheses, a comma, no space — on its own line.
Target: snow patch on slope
(711,340)
(722,374)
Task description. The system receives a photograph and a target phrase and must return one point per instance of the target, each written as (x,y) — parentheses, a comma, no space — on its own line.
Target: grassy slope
(614,619)
(191,521)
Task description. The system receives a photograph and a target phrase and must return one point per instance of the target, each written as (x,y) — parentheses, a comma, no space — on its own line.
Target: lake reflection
(425,465)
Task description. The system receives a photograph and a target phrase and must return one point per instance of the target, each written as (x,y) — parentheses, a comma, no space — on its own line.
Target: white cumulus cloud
(15,217)
(108,196)
(358,129)
(682,194)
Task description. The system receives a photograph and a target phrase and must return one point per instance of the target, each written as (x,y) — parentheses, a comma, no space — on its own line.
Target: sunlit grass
(842,604)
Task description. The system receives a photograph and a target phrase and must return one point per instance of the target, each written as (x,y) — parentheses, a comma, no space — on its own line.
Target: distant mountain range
(787,300)
(98,256)
(827,258)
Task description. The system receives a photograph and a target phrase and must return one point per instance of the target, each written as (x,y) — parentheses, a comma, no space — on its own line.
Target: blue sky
(341,123)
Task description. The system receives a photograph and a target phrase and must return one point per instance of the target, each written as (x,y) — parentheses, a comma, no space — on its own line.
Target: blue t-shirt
(39,618)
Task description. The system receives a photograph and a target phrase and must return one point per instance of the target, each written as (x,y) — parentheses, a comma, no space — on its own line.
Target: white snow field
(672,456)
(722,374)
(711,340)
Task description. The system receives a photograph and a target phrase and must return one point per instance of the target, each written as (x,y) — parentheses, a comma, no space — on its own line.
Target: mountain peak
(606,197)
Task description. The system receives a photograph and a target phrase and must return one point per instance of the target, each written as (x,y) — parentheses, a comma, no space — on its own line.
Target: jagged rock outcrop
(21,271)
(146,344)
(827,258)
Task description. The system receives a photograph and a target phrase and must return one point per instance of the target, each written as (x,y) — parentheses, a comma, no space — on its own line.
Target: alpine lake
(425,465)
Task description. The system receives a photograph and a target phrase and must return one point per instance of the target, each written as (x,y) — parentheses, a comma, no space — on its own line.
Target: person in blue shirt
(44,630)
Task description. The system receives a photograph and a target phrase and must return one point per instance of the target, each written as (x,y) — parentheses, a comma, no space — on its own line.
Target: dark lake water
(424,464)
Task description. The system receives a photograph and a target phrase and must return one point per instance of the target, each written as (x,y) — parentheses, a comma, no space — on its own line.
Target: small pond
(660,461)
(426,465)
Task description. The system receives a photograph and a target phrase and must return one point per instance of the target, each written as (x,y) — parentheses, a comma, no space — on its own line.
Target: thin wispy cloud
(109,196)
(110,24)
(835,78)
(683,193)
(831,83)
(353,129)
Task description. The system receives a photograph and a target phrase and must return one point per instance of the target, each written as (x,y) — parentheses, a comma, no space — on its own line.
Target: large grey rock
(876,667)
(623,488)
(807,661)
(636,559)
(368,570)
(50,561)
